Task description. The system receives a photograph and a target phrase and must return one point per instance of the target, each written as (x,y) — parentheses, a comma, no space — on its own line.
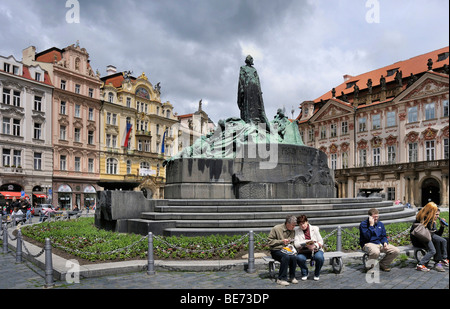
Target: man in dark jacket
(373,240)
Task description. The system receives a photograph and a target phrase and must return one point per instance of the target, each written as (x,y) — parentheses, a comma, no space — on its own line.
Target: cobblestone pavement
(27,276)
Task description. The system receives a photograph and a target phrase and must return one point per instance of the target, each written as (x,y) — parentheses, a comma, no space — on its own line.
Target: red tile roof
(185,116)
(49,55)
(26,74)
(116,80)
(415,65)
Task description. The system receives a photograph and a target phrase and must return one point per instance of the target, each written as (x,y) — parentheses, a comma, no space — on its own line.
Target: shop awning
(10,195)
(40,195)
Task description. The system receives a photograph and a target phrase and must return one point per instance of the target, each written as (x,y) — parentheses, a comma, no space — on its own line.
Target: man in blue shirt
(373,240)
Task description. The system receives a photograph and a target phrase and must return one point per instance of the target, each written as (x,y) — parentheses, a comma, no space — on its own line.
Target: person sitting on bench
(373,240)
(309,244)
(280,236)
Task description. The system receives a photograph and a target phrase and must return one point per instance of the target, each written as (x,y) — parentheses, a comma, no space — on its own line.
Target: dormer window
(392,71)
(15,70)
(351,84)
(6,67)
(442,56)
(37,76)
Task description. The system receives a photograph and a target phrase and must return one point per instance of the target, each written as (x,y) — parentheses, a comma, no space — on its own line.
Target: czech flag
(127,134)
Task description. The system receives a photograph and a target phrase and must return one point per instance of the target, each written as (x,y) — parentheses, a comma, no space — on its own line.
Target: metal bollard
(339,239)
(49,283)
(251,253)
(151,261)
(5,239)
(19,247)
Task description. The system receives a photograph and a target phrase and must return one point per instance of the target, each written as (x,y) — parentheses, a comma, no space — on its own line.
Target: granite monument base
(285,171)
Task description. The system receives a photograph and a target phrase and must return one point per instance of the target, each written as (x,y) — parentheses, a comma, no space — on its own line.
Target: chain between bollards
(251,253)
(151,261)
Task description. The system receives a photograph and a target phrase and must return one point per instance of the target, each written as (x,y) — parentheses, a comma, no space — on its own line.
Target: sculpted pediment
(429,88)
(332,110)
(426,86)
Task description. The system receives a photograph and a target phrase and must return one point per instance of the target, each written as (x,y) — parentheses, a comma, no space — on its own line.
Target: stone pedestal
(284,171)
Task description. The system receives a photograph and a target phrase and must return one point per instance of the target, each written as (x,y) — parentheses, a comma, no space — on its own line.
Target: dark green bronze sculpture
(249,157)
(233,134)
(250,101)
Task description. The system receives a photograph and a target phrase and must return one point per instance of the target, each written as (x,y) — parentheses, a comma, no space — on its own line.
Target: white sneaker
(282,282)
(316,278)
(293,281)
(304,278)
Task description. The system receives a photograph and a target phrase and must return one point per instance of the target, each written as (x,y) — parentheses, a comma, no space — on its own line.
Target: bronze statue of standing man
(250,101)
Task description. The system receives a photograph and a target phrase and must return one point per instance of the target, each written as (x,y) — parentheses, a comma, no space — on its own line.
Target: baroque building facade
(75,115)
(138,132)
(192,126)
(25,133)
(387,131)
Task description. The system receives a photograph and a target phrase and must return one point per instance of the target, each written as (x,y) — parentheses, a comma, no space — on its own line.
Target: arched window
(128,167)
(111,166)
(110,97)
(145,165)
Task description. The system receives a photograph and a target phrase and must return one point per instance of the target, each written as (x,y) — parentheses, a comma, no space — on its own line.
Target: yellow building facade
(138,132)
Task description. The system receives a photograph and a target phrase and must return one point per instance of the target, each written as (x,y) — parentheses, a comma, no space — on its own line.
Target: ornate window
(111,166)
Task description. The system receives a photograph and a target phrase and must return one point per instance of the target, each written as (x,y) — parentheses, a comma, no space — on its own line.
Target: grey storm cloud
(301,48)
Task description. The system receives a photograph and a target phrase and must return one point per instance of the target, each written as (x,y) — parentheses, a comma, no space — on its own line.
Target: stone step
(267,208)
(230,227)
(259,202)
(197,231)
(256,215)
(270,222)
(236,216)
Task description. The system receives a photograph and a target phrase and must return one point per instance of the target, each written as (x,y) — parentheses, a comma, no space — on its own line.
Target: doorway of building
(431,191)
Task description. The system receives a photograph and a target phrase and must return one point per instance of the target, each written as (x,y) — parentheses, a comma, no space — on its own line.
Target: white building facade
(25,133)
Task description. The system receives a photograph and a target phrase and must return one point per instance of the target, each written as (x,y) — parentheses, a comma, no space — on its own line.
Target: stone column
(444,195)
(407,189)
(413,187)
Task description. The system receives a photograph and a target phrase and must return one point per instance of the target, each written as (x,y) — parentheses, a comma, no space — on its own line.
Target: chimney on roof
(28,55)
(110,69)
(347,77)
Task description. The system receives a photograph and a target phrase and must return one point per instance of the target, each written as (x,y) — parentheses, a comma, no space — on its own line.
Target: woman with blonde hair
(437,246)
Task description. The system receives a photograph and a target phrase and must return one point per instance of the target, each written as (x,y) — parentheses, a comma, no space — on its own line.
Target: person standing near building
(373,240)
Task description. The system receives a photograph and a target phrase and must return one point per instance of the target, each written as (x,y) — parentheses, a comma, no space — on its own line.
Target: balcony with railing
(389,167)
(12,170)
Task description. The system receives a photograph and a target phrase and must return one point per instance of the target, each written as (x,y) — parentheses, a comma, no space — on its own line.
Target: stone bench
(335,259)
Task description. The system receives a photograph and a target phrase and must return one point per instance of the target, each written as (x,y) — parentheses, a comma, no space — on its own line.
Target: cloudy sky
(301,48)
